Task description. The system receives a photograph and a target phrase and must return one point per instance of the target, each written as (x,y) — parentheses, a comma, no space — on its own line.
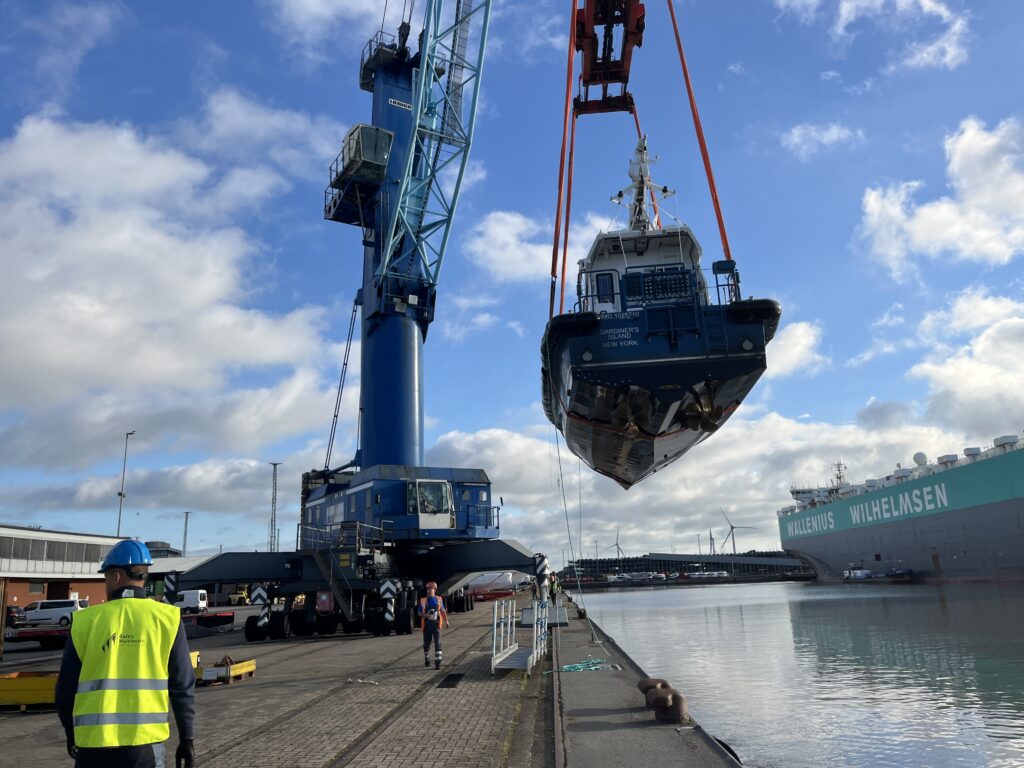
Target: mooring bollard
(650,684)
(669,705)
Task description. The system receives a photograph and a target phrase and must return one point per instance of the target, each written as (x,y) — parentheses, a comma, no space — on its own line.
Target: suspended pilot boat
(650,362)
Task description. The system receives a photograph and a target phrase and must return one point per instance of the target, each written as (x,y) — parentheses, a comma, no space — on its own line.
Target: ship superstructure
(959,518)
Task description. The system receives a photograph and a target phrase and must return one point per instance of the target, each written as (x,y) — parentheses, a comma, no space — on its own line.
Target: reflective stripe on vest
(122,698)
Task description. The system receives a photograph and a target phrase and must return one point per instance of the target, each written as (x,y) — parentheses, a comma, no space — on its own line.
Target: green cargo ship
(959,519)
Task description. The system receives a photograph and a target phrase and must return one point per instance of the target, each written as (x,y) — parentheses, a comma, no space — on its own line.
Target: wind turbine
(618,550)
(733,529)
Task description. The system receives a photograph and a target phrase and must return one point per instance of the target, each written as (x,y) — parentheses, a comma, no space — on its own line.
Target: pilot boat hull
(633,391)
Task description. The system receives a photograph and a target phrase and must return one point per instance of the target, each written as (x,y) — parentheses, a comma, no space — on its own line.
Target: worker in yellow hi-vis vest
(127,664)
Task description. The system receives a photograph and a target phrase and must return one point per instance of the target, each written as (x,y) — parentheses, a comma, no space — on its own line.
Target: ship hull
(630,399)
(973,532)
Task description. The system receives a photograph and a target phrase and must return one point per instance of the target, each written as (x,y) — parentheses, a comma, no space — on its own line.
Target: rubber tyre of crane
(253,631)
(454,604)
(300,625)
(327,625)
(472,602)
(280,627)
(403,622)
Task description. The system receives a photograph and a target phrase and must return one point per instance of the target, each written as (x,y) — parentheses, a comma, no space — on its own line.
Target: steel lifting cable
(341,382)
(561,158)
(700,134)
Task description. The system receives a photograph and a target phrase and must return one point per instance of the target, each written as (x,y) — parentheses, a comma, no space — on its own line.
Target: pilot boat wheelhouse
(652,360)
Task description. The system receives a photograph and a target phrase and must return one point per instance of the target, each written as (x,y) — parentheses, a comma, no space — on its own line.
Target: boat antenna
(640,174)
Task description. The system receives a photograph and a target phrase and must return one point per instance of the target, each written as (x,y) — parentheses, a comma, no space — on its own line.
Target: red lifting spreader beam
(600,65)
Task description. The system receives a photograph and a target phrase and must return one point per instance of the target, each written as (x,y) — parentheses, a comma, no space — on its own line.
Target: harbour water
(796,675)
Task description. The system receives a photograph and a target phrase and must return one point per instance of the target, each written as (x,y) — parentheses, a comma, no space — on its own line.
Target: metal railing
(351,535)
(324,555)
(540,632)
(503,632)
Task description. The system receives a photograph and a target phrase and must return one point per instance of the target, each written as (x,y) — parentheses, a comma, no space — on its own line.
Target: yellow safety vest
(122,695)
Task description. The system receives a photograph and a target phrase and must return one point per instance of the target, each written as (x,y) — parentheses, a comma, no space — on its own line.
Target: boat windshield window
(605,288)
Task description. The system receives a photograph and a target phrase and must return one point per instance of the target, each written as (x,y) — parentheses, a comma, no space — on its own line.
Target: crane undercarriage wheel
(301,626)
(327,625)
(253,631)
(404,621)
(279,627)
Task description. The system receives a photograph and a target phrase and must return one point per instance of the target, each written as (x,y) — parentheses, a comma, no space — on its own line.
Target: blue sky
(167,268)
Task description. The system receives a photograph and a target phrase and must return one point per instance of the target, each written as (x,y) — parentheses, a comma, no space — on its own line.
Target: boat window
(662,285)
(483,495)
(605,284)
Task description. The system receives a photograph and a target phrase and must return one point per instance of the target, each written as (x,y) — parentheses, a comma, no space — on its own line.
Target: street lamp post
(184,539)
(120,494)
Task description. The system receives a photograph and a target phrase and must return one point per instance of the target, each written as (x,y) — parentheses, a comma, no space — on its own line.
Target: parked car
(14,616)
(192,601)
(53,611)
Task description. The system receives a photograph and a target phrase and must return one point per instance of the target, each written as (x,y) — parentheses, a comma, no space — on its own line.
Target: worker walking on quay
(126,665)
(433,617)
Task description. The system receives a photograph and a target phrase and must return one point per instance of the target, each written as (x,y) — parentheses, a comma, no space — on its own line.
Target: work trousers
(143,756)
(432,634)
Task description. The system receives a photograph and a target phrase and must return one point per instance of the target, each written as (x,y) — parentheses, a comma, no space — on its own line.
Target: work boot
(426,661)
(437,665)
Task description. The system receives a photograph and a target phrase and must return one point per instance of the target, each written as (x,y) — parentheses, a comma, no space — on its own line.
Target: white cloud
(476,172)
(878,348)
(124,304)
(946,49)
(512,247)
(309,27)
(892,317)
(737,68)
(235,128)
(805,10)
(517,328)
(795,350)
(830,75)
(806,140)
(69,32)
(972,309)
(983,219)
(746,468)
(977,388)
(462,316)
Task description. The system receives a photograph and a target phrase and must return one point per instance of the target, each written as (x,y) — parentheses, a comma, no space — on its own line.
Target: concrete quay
(368,702)
(602,716)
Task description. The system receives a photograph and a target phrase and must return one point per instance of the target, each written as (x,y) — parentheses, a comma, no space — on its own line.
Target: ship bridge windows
(673,284)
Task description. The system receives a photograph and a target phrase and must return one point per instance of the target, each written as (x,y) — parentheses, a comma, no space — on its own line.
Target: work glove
(72,749)
(185,754)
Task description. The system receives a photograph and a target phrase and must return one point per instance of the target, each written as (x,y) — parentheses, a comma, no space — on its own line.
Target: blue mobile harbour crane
(373,530)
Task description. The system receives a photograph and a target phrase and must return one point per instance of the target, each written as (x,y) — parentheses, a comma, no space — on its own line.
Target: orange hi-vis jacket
(442,614)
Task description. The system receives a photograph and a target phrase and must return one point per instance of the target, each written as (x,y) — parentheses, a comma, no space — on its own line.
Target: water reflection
(795,675)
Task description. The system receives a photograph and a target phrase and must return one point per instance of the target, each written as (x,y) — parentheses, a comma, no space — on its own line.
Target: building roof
(22,530)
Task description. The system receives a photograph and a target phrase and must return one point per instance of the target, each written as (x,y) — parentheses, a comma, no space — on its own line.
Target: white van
(192,601)
(53,611)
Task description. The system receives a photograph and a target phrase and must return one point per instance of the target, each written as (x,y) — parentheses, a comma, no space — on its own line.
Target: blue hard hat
(125,554)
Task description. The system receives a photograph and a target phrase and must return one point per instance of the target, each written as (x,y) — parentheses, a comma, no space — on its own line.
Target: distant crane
(733,529)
